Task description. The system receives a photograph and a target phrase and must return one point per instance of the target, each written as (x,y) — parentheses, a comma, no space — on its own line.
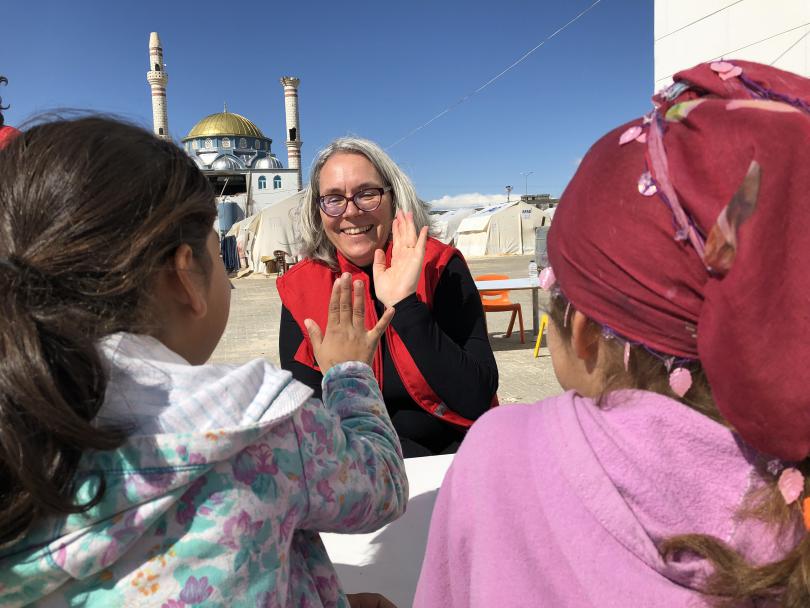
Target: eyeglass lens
(365,200)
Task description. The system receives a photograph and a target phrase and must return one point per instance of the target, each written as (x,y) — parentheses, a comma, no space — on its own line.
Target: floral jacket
(221,516)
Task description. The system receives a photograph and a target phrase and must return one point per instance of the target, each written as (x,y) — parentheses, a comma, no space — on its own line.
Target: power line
(491,80)
(785,52)
(719,10)
(722,55)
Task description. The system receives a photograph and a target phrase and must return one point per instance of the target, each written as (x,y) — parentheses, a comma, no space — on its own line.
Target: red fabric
(615,256)
(6,135)
(305,291)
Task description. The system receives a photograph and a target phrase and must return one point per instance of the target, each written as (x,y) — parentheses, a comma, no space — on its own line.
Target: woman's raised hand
(346,337)
(396,282)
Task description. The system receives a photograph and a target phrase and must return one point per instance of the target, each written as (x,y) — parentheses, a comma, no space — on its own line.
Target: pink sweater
(563,503)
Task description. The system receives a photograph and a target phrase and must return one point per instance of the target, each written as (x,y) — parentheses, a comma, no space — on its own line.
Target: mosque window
(262,182)
(196,144)
(226,142)
(256,144)
(209,143)
(243,143)
(160,130)
(276,182)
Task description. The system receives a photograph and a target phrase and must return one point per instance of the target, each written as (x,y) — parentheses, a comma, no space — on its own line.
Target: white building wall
(259,199)
(774,32)
(262,200)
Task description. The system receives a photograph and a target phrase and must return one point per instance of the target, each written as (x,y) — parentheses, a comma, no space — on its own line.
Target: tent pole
(520,228)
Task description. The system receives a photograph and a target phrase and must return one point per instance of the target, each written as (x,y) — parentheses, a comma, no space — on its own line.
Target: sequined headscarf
(688,231)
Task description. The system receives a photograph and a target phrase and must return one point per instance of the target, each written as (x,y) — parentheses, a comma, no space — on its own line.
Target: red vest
(305,291)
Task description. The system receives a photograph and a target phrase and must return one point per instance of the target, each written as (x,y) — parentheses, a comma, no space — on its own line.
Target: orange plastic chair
(498,301)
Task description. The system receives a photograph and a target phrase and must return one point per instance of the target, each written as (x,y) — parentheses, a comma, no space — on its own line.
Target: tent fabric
(274,228)
(506,229)
(445,225)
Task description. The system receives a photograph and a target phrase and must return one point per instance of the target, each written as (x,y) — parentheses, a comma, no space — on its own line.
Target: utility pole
(526,175)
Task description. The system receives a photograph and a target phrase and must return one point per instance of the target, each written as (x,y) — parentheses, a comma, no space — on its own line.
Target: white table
(388,561)
(517,285)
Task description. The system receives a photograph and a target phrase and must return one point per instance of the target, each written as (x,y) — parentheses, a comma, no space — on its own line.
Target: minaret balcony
(157,77)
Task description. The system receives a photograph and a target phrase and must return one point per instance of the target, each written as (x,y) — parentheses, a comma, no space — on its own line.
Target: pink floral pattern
(188,521)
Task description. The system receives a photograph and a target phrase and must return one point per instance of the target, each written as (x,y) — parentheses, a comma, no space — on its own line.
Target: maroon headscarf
(692,236)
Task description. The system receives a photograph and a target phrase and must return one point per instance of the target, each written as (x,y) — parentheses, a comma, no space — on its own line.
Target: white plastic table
(517,285)
(388,561)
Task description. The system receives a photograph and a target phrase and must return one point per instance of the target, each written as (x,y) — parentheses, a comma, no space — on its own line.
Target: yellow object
(543,327)
(224,123)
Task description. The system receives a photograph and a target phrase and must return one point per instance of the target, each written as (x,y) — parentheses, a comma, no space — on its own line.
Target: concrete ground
(252,331)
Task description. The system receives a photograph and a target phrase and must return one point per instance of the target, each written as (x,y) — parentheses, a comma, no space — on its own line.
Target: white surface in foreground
(388,561)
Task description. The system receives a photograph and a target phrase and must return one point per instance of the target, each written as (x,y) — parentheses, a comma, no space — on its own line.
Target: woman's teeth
(357,229)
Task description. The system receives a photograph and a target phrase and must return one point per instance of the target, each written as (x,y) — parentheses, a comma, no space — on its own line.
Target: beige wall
(745,24)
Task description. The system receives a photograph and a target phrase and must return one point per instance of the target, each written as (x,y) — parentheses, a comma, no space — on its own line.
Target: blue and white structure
(231,150)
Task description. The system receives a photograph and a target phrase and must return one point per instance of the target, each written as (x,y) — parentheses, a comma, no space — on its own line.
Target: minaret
(157,79)
(290,84)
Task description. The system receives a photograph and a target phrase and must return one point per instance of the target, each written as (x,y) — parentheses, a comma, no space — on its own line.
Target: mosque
(231,150)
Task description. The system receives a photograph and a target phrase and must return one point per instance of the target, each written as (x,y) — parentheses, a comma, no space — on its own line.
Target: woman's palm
(396,282)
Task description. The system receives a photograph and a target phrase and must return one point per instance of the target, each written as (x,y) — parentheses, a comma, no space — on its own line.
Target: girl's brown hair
(734,581)
(89,209)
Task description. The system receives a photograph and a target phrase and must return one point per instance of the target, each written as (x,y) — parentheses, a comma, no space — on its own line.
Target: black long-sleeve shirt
(450,347)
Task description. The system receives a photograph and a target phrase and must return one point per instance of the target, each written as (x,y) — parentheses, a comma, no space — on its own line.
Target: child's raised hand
(400,279)
(346,337)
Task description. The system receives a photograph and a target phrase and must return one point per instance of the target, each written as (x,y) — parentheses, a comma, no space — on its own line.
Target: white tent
(274,228)
(506,229)
(446,223)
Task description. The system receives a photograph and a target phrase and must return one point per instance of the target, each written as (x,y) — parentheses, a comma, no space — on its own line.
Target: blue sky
(374,69)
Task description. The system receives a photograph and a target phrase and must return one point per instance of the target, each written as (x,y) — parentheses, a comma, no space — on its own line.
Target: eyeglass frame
(351,198)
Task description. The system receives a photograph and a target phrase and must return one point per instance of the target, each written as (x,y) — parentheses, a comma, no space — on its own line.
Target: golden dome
(224,123)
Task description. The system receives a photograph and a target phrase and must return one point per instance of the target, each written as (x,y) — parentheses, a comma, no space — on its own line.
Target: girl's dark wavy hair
(90,208)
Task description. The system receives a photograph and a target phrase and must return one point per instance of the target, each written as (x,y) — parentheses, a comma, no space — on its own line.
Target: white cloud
(470,200)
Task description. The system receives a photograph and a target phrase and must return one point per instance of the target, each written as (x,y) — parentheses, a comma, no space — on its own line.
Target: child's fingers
(334,304)
(378,330)
(315,334)
(359,306)
(346,300)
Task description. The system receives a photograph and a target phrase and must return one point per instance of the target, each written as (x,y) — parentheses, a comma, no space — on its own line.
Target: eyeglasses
(368,199)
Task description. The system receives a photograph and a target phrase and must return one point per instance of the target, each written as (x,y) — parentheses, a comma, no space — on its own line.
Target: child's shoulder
(514,416)
(512,428)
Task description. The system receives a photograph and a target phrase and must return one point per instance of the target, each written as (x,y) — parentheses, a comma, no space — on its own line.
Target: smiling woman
(434,363)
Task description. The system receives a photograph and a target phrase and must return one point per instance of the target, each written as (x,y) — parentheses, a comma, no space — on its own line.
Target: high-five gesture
(346,337)
(396,282)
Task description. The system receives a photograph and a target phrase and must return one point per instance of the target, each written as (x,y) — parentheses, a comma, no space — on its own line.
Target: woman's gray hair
(315,243)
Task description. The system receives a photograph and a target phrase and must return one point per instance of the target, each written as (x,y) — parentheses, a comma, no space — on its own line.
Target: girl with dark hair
(130,471)
(674,472)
